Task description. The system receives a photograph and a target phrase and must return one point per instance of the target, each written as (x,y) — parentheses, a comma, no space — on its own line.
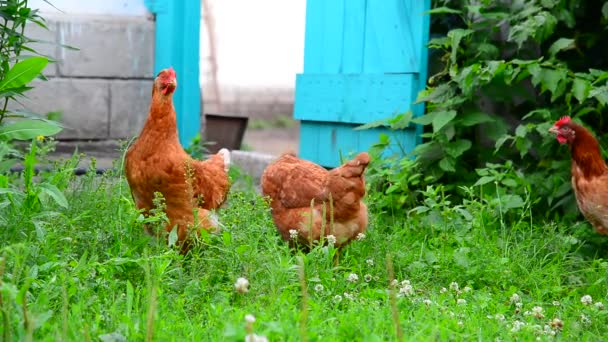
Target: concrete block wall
(102,89)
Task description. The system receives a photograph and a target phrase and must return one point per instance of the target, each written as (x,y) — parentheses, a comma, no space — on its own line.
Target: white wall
(259,43)
(94,7)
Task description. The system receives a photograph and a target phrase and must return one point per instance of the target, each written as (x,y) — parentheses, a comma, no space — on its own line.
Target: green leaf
(29,129)
(441,93)
(425,119)
(521,131)
(605,10)
(501,141)
(226,238)
(54,193)
(442,118)
(601,94)
(561,45)
(443,10)
(172,240)
(458,147)
(512,201)
(373,124)
(456,35)
(580,89)
(447,164)
(474,118)
(8,191)
(23,72)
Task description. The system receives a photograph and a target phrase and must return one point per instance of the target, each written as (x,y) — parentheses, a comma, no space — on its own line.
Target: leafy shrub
(19,65)
(505,71)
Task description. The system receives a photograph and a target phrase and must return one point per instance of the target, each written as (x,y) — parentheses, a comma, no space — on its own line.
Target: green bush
(504,72)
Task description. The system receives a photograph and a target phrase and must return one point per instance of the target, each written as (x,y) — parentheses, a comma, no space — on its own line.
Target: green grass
(89,272)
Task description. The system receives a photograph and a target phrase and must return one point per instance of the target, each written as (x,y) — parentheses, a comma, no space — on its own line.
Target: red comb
(171,72)
(564,120)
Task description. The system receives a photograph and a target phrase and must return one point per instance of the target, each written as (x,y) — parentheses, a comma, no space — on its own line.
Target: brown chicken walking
(589,172)
(308,202)
(156,162)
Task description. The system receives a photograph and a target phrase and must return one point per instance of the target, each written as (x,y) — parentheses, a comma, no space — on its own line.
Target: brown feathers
(156,162)
(312,202)
(589,172)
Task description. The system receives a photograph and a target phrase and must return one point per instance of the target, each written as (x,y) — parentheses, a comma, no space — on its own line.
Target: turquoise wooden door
(177,45)
(363,61)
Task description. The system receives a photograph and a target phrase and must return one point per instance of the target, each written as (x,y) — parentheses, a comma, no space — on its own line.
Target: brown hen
(589,172)
(311,202)
(156,162)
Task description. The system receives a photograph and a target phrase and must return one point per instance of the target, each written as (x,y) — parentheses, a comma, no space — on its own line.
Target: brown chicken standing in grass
(156,162)
(301,192)
(589,172)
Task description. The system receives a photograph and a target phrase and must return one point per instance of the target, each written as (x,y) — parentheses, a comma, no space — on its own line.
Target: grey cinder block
(84,104)
(129,107)
(108,47)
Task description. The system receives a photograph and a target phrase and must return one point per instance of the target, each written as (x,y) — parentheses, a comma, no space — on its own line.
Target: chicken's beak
(554,130)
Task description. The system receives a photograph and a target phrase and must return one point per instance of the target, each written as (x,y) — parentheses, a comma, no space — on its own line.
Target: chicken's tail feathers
(225,153)
(289,153)
(362,158)
(354,167)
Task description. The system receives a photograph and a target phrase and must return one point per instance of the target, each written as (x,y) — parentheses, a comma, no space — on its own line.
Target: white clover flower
(250,318)
(293,234)
(517,325)
(255,338)
(461,301)
(548,331)
(454,286)
(586,300)
(369,262)
(367,278)
(242,285)
(353,278)
(443,290)
(406,290)
(394,282)
(556,323)
(515,298)
(460,323)
(556,303)
(585,319)
(537,311)
(337,299)
(467,289)
(349,296)
(360,237)
(405,282)
(499,317)
(527,313)
(318,288)
(599,305)
(519,305)
(331,240)
(427,302)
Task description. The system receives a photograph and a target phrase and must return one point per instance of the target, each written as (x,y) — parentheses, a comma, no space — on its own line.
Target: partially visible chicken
(589,172)
(301,192)
(156,162)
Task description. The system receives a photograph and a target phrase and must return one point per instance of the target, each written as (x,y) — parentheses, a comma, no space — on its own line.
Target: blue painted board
(363,61)
(353,98)
(322,143)
(177,45)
